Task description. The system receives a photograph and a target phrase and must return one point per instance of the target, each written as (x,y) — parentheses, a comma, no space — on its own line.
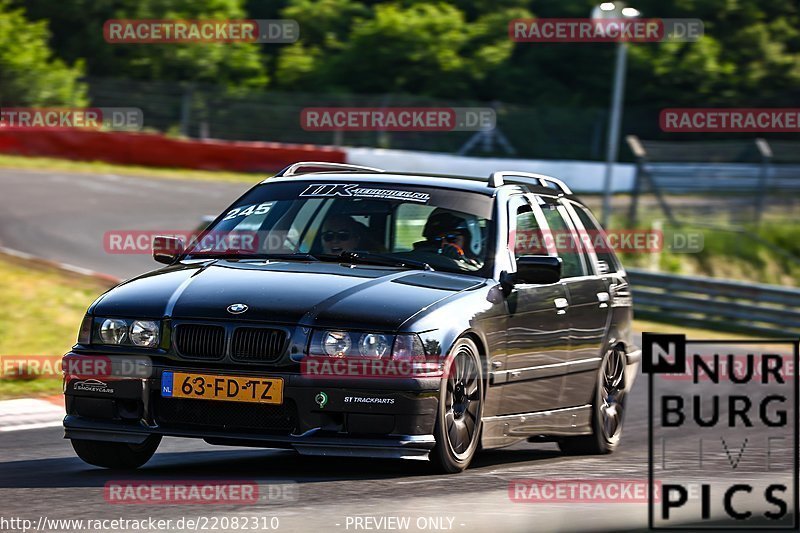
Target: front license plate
(224,388)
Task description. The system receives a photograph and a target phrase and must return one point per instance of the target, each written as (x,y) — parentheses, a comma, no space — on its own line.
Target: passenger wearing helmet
(455,235)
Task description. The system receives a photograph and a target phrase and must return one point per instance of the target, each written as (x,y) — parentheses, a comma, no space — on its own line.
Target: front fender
(480,312)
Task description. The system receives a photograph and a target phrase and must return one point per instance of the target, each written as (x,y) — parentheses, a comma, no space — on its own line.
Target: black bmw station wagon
(365,313)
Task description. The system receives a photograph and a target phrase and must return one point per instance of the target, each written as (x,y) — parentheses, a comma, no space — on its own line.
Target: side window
(605,254)
(528,239)
(566,245)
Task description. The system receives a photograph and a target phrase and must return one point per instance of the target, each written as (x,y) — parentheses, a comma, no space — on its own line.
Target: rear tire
(608,410)
(458,420)
(116,455)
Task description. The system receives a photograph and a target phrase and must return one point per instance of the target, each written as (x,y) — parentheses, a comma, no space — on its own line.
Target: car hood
(306,293)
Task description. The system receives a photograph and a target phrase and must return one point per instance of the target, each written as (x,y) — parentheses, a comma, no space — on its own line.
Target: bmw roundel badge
(237,309)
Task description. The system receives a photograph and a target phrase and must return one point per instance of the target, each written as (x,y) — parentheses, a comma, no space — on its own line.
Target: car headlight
(125,332)
(374,345)
(369,354)
(408,348)
(85,333)
(336,343)
(367,345)
(113,331)
(144,333)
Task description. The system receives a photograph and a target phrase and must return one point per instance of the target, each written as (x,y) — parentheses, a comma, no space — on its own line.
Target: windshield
(380,223)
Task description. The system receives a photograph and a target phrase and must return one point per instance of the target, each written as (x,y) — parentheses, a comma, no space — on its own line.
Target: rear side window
(608,260)
(565,242)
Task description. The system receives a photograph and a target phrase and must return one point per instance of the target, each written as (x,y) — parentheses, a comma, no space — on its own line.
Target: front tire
(116,455)
(608,410)
(458,420)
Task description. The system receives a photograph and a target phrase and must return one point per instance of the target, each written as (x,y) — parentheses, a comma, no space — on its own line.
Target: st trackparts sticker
(368,399)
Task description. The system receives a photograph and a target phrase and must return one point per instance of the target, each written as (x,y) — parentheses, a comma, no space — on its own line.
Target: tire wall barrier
(154,150)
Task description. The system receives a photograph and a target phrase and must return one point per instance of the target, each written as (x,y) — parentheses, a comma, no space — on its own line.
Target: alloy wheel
(612,396)
(462,401)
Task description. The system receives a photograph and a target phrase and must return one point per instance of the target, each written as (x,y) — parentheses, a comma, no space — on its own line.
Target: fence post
(655,257)
(766,163)
(638,151)
(186,110)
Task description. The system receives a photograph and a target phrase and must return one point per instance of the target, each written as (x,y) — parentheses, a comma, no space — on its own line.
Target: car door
(587,295)
(536,326)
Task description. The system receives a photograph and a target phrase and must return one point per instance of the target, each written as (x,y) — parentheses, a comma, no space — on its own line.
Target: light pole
(614,10)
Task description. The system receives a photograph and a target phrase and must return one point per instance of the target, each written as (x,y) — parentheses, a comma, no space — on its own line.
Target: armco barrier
(581,176)
(147,149)
(716,304)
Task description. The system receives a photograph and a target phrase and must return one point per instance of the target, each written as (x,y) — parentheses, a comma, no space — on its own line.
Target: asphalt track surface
(40,478)
(63,217)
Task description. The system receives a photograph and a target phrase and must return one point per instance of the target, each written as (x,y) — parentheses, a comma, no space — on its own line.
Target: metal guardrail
(750,169)
(716,304)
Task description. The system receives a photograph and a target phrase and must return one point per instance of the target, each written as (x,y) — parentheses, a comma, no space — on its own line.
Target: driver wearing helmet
(455,235)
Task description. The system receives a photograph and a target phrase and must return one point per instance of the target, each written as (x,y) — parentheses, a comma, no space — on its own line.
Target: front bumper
(367,417)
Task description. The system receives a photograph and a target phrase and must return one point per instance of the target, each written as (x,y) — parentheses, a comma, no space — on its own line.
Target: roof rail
(500,177)
(295,168)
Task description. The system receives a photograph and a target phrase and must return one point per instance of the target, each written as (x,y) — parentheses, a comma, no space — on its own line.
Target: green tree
(418,47)
(325,27)
(29,74)
(749,56)
(77,27)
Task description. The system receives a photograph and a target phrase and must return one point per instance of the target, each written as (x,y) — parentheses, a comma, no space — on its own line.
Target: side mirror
(538,269)
(167,249)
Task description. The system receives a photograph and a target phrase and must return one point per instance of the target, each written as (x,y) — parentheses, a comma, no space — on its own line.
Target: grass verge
(11,389)
(41,313)
(769,253)
(99,167)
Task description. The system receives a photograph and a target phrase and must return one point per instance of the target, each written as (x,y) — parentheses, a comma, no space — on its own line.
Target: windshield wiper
(296,257)
(377,259)
(248,256)
(227,254)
